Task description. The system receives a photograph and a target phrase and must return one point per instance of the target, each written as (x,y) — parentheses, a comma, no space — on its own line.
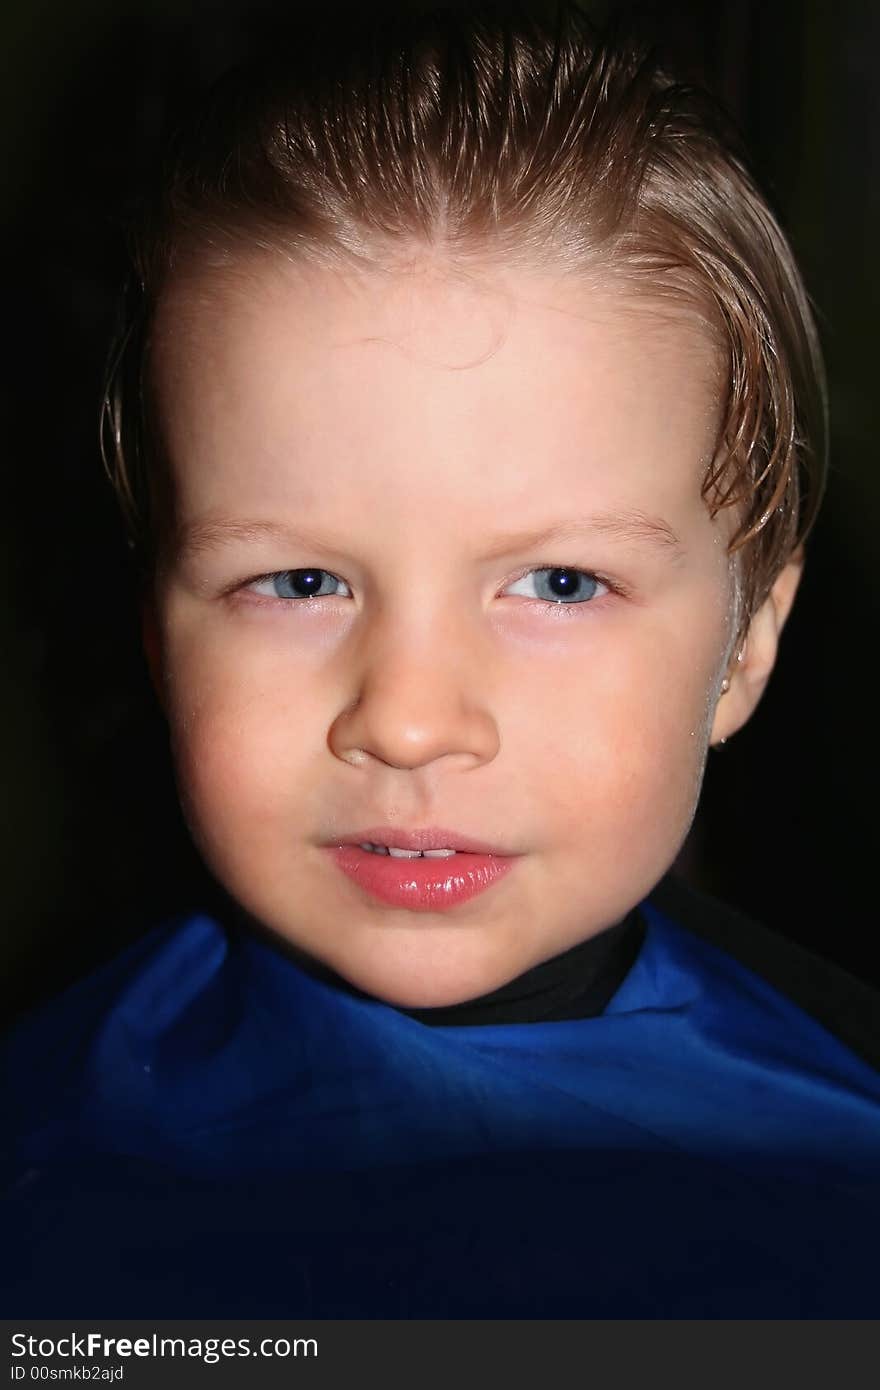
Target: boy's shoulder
(849,1008)
(155,977)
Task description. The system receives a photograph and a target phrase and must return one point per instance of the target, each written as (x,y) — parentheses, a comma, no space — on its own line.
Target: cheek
(627,741)
(637,756)
(239,750)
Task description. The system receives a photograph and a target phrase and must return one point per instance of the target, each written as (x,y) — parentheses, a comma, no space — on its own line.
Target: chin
(422,982)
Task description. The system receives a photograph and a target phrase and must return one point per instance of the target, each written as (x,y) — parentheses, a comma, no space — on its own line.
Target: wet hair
(495,131)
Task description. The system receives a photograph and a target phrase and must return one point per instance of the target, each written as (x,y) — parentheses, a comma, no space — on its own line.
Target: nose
(421,694)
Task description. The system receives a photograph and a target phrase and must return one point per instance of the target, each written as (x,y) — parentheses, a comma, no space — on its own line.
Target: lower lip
(422,885)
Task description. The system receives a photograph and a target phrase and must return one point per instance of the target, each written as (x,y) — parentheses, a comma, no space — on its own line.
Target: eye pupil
(569,583)
(306,581)
(563,582)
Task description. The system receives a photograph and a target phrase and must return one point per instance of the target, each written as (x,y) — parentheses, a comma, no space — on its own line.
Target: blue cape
(202,1128)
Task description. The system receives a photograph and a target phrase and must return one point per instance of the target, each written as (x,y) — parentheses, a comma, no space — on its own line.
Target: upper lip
(431,837)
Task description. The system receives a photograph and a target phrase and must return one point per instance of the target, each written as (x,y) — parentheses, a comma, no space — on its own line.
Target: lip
(431,837)
(421,885)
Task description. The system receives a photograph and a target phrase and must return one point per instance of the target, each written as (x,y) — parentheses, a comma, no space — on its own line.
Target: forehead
(271,379)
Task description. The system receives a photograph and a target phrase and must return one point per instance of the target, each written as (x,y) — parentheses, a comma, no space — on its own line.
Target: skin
(409,419)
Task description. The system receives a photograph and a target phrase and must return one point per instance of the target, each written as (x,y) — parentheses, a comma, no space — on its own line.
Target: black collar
(578,983)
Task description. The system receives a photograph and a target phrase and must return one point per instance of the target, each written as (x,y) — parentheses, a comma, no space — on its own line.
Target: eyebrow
(633,527)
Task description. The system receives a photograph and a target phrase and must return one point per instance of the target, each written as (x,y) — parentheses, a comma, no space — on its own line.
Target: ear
(750,669)
(152,644)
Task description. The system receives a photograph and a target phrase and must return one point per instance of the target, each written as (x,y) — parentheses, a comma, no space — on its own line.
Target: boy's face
(397,432)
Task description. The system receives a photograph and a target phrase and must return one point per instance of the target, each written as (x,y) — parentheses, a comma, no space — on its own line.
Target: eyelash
(553,604)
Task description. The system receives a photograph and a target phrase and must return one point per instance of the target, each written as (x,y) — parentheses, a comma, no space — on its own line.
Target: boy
(469,423)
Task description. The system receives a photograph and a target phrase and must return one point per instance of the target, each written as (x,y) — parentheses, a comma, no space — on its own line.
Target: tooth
(403,853)
(438,853)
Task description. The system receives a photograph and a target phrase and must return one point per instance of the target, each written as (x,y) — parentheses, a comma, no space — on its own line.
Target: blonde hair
(497,130)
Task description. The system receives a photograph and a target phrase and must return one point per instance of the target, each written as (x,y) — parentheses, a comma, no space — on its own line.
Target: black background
(93,845)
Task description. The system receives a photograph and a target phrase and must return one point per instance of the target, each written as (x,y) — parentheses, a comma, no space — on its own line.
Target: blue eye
(308,583)
(554,584)
(563,584)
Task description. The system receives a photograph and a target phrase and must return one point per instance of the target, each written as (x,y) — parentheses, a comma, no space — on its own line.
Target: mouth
(442,869)
(430,842)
